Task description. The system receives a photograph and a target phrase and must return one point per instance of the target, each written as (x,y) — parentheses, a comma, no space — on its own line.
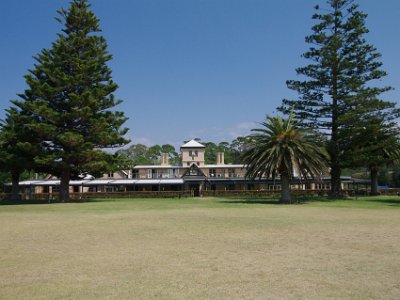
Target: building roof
(46,182)
(156,167)
(213,166)
(227,166)
(193,144)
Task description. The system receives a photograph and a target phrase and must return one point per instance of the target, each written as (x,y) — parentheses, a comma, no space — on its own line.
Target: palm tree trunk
(285,193)
(374,181)
(64,186)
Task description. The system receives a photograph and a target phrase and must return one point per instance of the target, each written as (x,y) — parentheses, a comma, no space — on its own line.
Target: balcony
(223,175)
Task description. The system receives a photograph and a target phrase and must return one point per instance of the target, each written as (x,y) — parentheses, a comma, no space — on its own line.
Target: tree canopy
(281,148)
(70,99)
(339,86)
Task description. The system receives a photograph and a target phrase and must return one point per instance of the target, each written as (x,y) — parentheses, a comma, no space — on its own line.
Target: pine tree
(337,89)
(372,144)
(18,147)
(69,97)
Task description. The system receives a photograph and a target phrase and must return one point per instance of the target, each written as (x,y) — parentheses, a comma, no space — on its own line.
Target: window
(275,187)
(188,163)
(322,186)
(111,174)
(196,153)
(212,172)
(190,153)
(194,172)
(230,187)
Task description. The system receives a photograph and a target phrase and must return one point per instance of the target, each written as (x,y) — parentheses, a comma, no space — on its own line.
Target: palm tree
(280,148)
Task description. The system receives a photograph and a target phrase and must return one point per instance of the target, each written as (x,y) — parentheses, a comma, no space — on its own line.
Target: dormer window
(194,153)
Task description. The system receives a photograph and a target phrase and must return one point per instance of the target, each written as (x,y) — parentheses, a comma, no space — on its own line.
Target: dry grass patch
(200,249)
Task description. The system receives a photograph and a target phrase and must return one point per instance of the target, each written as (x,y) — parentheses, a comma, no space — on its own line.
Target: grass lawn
(201,249)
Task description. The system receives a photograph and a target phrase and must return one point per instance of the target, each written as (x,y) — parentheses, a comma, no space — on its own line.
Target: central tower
(192,153)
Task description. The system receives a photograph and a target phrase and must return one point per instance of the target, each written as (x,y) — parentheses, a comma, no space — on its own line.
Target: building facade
(192,175)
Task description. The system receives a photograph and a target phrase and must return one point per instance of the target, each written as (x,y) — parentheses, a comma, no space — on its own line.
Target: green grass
(212,248)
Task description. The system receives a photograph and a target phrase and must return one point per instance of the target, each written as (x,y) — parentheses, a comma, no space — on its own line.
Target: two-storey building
(193,174)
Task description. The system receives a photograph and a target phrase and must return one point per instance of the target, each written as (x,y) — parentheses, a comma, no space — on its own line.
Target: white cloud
(141,140)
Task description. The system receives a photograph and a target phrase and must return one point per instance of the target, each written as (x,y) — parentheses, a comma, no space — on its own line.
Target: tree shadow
(296,199)
(26,202)
(388,202)
(270,201)
(47,202)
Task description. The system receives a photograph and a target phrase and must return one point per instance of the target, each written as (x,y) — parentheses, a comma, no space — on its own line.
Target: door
(195,189)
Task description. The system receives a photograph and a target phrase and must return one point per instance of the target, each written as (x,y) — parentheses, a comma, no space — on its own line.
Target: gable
(193,171)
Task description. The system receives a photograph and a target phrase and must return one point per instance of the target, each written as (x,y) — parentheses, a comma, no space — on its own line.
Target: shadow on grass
(53,201)
(366,201)
(275,200)
(389,202)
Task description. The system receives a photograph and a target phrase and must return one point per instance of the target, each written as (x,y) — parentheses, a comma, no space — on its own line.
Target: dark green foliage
(69,97)
(18,147)
(281,148)
(373,144)
(232,151)
(211,150)
(238,147)
(337,90)
(136,154)
(174,158)
(140,154)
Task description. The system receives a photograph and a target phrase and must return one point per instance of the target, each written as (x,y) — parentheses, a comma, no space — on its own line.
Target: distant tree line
(139,154)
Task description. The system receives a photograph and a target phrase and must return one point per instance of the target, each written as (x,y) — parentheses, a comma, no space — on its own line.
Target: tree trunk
(285,193)
(334,150)
(64,186)
(15,185)
(334,147)
(374,181)
(336,184)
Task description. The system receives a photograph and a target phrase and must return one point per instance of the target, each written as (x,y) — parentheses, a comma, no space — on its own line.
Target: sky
(209,69)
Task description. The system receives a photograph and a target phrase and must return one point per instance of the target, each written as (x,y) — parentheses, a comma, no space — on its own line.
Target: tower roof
(193,144)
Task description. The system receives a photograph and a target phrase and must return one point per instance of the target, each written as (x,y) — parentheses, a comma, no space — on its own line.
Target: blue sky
(192,68)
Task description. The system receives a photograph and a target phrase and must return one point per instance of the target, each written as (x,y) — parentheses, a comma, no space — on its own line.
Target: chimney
(220,158)
(164,159)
